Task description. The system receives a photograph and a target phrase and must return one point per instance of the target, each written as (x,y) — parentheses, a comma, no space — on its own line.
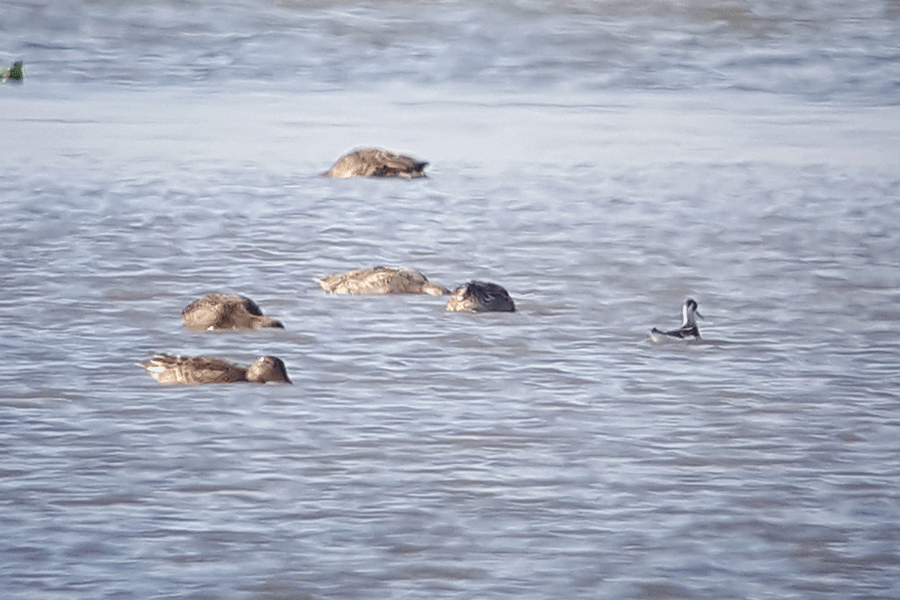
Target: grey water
(601,160)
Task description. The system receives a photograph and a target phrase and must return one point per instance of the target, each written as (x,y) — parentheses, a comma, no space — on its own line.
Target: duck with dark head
(481,296)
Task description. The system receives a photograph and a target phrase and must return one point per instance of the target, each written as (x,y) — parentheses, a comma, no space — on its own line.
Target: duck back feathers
(380,280)
(376,162)
(226,311)
(194,370)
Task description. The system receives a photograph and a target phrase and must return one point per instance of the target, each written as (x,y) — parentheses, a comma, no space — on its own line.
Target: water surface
(602,161)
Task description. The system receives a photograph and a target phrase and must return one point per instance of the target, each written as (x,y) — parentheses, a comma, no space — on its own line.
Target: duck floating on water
(688,329)
(226,311)
(380,280)
(376,162)
(15,73)
(481,296)
(194,370)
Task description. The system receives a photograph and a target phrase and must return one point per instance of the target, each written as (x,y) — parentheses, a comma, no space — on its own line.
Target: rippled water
(601,160)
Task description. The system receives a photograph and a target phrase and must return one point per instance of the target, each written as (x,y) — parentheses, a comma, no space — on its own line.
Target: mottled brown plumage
(193,370)
(375,162)
(381,280)
(480,296)
(225,311)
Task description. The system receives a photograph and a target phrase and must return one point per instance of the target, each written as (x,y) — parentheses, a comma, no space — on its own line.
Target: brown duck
(193,370)
(226,311)
(381,280)
(376,162)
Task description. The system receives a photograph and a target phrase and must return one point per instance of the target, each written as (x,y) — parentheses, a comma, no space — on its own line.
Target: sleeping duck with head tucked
(194,370)
(226,311)
(380,280)
(376,162)
(481,296)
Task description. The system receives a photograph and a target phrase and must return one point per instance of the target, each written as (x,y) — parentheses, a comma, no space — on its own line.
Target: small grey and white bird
(226,311)
(380,280)
(376,162)
(688,329)
(481,296)
(194,370)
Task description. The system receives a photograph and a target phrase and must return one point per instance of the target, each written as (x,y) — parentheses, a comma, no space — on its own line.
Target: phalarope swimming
(688,329)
